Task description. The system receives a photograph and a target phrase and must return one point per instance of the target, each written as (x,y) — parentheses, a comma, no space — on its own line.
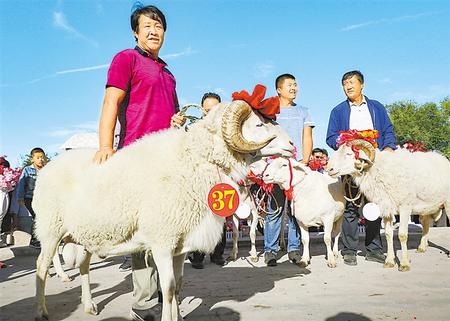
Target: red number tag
(223,199)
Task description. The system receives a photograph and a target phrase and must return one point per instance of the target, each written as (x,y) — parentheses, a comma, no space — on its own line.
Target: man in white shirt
(360,113)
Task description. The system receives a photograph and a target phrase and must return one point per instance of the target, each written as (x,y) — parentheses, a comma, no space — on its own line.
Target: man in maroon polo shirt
(140,92)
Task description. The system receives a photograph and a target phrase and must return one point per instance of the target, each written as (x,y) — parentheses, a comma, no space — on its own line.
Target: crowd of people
(141,94)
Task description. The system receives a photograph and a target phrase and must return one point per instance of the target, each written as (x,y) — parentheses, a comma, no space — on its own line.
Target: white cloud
(87,126)
(386,81)
(188,51)
(60,21)
(433,93)
(69,71)
(263,70)
(386,20)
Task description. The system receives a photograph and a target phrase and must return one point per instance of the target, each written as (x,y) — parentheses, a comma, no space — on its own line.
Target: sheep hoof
(254,259)
(421,249)
(91,308)
(303,264)
(66,278)
(404,268)
(331,264)
(388,265)
(232,257)
(41,318)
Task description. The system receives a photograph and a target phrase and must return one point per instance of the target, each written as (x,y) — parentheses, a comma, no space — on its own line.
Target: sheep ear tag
(223,199)
(371,211)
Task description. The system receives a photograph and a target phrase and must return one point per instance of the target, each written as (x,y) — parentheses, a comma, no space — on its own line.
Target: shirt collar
(143,53)
(363,102)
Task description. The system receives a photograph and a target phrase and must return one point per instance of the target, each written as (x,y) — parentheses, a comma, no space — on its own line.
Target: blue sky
(55,55)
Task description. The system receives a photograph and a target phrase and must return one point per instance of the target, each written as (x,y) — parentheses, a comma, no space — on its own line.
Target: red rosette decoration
(315,164)
(268,107)
(369,135)
(415,146)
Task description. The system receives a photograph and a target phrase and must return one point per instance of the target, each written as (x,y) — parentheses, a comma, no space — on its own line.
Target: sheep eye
(260,125)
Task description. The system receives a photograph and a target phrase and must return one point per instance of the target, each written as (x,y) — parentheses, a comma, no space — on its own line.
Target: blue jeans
(273,226)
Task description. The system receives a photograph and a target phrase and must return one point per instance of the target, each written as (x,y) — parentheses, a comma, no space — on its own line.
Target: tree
(427,123)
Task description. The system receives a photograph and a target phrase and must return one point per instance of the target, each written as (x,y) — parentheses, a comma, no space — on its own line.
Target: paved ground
(242,291)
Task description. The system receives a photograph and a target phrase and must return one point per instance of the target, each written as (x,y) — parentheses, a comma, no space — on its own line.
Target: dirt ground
(245,291)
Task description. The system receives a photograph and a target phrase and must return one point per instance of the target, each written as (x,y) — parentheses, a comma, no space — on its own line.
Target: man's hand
(177,120)
(21,201)
(388,149)
(103,155)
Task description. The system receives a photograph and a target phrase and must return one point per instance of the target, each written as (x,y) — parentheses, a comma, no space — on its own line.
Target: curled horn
(234,116)
(366,147)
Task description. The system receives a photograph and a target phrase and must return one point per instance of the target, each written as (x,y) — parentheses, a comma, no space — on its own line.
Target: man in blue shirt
(297,122)
(360,113)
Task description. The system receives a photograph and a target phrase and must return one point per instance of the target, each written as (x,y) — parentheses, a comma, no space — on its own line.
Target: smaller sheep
(317,200)
(398,182)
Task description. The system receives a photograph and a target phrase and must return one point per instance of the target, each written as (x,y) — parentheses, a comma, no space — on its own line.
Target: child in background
(27,182)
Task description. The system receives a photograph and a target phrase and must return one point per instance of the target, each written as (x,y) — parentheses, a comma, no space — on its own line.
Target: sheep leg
(403,237)
(253,253)
(425,221)
(304,262)
(86,295)
(165,263)
(337,226)
(327,228)
(389,232)
(178,269)
(447,211)
(59,269)
(48,248)
(234,251)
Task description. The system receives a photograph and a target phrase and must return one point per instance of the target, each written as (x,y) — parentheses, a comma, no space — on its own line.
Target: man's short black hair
(36,150)
(150,11)
(352,73)
(282,78)
(320,150)
(317,150)
(210,95)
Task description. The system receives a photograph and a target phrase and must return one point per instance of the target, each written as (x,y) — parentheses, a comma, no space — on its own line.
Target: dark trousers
(350,233)
(27,202)
(218,250)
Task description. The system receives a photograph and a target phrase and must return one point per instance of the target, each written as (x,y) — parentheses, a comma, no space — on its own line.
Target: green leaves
(428,123)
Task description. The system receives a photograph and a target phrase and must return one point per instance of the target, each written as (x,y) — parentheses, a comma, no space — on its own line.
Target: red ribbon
(315,164)
(369,135)
(289,193)
(268,107)
(258,180)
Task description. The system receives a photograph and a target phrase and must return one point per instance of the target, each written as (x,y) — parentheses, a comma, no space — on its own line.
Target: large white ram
(150,196)
(399,182)
(317,200)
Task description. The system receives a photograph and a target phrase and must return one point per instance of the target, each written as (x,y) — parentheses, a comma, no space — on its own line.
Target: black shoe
(350,259)
(375,257)
(217,260)
(295,256)
(35,244)
(270,258)
(125,266)
(197,265)
(153,314)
